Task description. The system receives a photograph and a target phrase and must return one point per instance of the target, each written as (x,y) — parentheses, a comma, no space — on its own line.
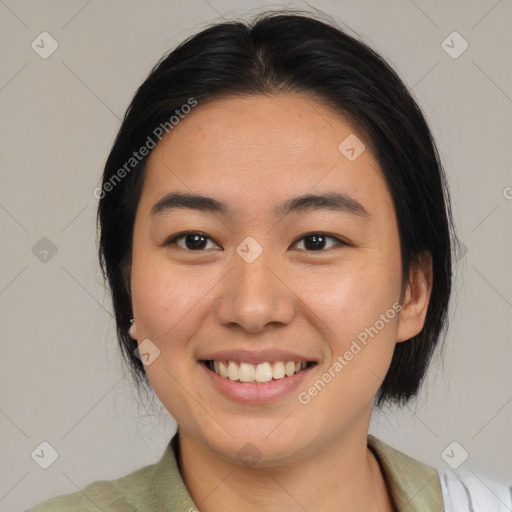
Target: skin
(253,153)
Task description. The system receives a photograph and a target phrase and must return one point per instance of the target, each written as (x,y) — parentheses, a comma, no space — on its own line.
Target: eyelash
(173,239)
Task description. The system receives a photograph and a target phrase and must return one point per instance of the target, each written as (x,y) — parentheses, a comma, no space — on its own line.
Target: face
(257,283)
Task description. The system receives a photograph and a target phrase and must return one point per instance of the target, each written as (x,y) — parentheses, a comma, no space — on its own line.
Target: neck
(344,475)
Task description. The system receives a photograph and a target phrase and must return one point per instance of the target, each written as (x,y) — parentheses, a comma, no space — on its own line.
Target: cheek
(360,327)
(167,302)
(354,296)
(164,294)
(356,306)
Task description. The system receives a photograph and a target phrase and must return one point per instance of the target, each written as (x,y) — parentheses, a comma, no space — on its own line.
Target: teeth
(223,371)
(246,373)
(278,370)
(263,372)
(289,369)
(233,371)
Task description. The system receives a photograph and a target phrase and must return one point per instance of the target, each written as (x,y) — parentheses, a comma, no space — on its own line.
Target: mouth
(262,373)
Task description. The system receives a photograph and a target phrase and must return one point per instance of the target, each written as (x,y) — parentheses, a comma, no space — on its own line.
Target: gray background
(62,380)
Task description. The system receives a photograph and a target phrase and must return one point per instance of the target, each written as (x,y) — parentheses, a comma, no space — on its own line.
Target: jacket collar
(414,486)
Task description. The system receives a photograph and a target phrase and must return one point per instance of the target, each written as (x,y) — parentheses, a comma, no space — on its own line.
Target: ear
(132,331)
(417,297)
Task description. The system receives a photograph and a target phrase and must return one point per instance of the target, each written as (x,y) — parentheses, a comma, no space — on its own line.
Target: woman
(277,237)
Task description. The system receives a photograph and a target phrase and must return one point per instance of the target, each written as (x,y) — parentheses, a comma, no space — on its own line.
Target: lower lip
(266,392)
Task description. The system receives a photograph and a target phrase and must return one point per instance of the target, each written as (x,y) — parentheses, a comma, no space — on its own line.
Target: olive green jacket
(159,487)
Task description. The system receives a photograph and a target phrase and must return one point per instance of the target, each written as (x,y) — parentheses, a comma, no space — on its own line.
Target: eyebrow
(308,202)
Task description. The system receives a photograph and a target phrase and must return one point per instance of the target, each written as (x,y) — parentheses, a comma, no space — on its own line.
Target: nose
(255,295)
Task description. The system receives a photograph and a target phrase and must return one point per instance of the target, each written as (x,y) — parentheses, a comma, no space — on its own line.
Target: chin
(261,445)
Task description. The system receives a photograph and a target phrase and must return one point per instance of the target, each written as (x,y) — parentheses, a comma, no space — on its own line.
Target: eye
(195,241)
(318,241)
(192,241)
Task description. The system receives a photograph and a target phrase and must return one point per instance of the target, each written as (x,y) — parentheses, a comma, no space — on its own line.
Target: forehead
(274,147)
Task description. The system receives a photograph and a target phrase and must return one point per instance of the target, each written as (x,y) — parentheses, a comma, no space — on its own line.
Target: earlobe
(417,298)
(132,331)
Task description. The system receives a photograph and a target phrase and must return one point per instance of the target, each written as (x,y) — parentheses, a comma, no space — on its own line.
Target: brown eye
(189,241)
(319,241)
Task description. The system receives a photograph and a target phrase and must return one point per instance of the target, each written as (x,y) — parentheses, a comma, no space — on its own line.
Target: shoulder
(156,487)
(129,493)
(416,486)
(475,492)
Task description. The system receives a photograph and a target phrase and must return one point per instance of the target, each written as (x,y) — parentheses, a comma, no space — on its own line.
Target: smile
(256,373)
(258,381)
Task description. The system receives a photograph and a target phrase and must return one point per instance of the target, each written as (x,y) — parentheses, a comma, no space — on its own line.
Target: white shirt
(466,491)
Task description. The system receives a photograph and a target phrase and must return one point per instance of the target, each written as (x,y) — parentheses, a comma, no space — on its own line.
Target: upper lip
(256,357)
